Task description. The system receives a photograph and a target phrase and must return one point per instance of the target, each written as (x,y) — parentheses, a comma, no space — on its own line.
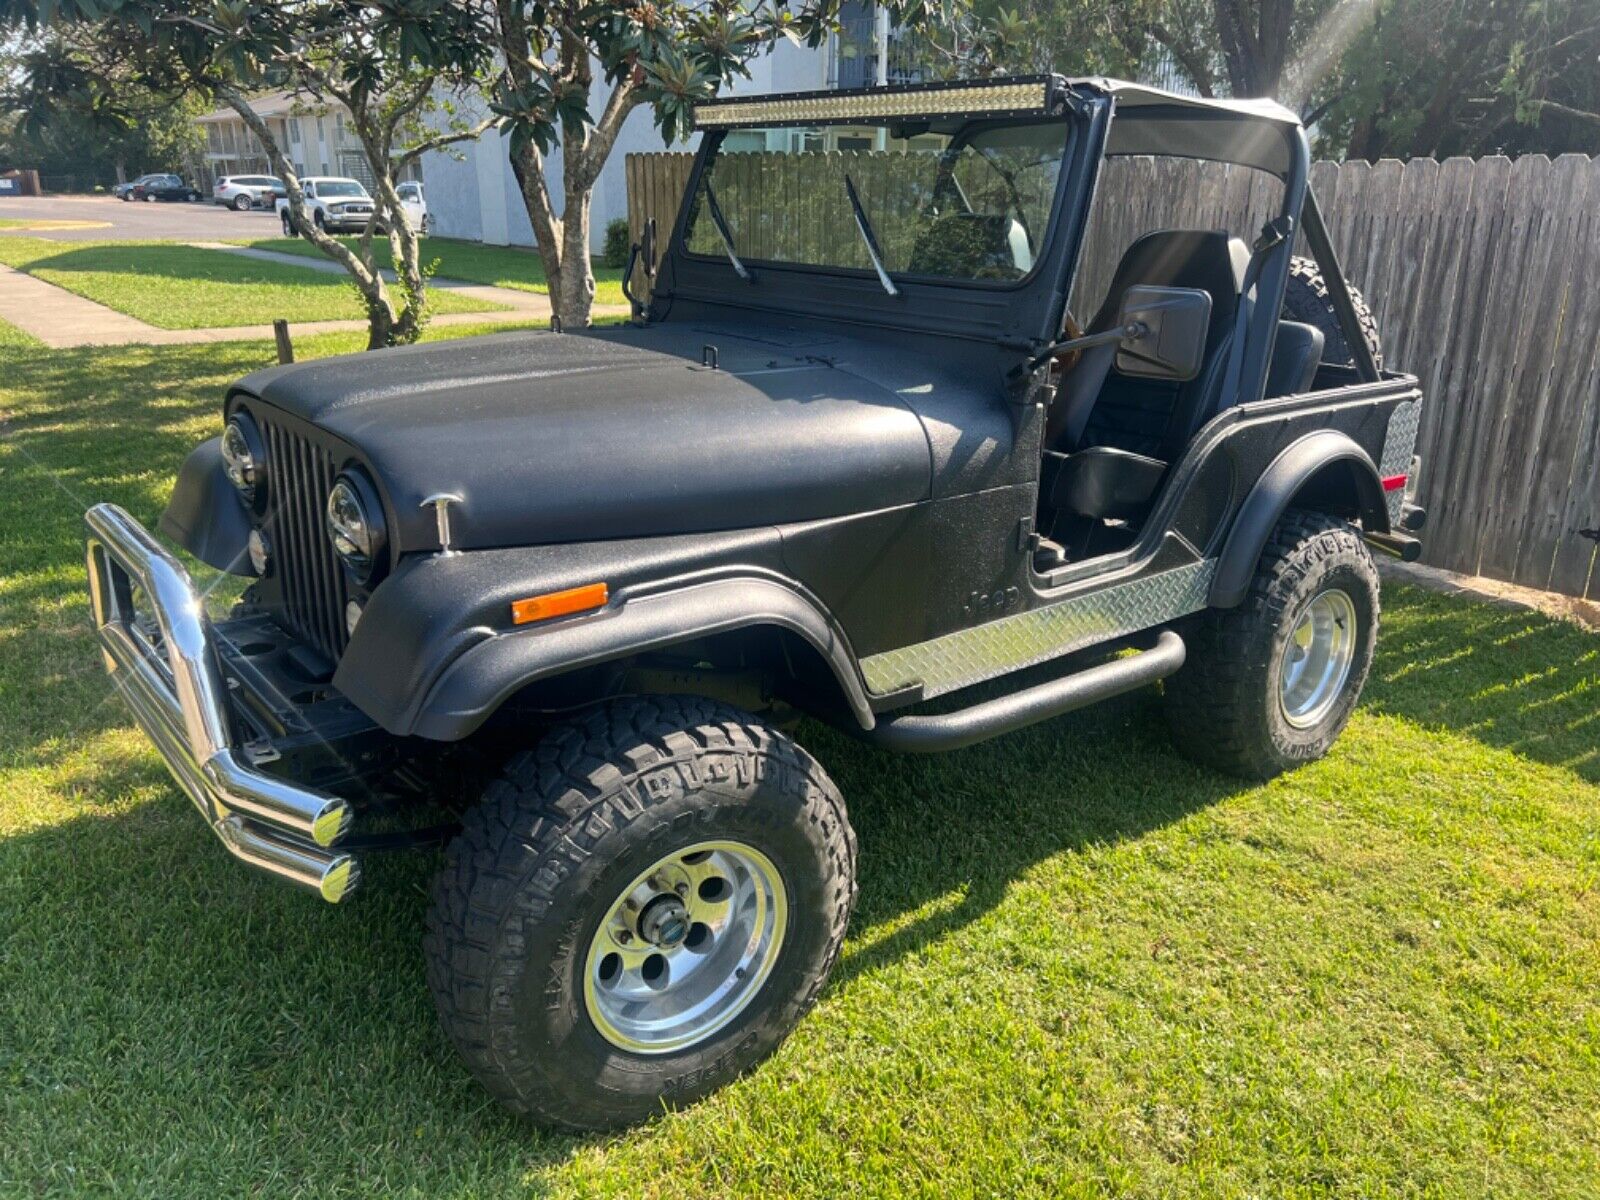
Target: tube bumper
(170,678)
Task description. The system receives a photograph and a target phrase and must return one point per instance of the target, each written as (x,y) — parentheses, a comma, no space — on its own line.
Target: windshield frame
(712,145)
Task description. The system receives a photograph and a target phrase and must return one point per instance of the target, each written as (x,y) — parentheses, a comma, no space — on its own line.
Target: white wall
(473,194)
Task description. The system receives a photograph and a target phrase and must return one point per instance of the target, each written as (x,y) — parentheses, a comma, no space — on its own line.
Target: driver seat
(1110,436)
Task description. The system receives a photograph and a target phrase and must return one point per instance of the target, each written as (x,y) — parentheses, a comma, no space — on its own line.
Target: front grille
(310,580)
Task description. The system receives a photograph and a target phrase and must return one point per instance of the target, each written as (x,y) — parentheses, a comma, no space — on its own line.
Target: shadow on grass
(1505,677)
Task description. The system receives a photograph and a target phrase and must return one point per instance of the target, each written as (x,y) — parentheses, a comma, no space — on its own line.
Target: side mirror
(1164,332)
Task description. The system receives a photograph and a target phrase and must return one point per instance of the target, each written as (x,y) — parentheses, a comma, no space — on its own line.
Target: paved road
(134,221)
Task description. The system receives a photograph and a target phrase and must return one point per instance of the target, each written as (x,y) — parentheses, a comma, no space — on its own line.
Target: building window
(338,128)
(294,131)
(322,135)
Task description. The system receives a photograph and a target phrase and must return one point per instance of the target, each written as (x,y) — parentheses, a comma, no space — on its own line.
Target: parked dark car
(853,455)
(124,191)
(163,187)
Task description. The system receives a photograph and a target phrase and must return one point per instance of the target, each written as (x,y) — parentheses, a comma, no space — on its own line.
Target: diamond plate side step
(950,731)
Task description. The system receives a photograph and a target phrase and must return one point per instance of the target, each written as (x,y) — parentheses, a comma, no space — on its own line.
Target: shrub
(617,244)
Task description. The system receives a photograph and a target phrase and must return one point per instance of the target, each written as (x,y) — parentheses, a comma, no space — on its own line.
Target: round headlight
(241,456)
(355,524)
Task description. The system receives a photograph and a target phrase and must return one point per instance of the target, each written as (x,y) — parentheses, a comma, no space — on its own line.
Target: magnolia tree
(662,55)
(392,64)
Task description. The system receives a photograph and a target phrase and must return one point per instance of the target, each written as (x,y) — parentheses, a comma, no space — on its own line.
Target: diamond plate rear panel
(1399,444)
(970,656)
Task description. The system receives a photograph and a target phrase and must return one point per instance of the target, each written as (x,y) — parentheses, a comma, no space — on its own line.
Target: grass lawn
(1080,965)
(11,336)
(499,266)
(180,287)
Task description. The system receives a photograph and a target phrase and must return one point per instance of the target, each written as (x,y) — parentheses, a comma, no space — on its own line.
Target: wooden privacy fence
(1484,276)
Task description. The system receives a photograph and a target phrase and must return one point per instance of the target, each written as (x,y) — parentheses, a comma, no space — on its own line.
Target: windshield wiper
(715,210)
(871,242)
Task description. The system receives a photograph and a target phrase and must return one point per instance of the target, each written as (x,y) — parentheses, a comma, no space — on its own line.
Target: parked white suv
(415,205)
(334,204)
(244,192)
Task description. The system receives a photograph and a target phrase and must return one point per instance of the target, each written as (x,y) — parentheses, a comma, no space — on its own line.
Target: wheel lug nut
(624,937)
(682,889)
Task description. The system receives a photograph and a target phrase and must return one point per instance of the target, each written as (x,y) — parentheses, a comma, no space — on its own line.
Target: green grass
(11,336)
(498,266)
(1080,966)
(173,286)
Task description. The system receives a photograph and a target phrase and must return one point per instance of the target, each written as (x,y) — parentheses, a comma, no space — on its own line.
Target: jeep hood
(606,434)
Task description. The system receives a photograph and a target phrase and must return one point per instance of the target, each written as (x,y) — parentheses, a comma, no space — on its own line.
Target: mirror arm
(1132,331)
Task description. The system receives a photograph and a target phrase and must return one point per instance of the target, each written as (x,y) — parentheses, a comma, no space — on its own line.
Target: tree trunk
(527,164)
(377,144)
(576,304)
(369,282)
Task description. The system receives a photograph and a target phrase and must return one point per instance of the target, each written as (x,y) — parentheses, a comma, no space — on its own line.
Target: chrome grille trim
(309,577)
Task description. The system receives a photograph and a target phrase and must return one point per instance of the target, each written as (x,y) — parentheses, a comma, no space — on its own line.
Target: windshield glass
(334,189)
(953,201)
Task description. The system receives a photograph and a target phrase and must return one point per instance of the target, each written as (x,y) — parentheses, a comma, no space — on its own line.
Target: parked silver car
(244,192)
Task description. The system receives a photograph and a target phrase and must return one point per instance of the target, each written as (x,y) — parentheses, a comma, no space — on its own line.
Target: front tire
(639,911)
(1270,685)
(241,203)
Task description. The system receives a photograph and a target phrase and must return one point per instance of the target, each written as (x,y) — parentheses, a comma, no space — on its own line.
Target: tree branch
(472,133)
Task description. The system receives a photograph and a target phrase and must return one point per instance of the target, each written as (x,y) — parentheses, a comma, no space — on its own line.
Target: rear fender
(1323,457)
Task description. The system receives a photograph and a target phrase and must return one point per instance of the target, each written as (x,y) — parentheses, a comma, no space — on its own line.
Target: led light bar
(983,98)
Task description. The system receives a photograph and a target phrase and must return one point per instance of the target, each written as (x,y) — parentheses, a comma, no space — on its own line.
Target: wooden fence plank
(1452,543)
(1538,343)
(1435,328)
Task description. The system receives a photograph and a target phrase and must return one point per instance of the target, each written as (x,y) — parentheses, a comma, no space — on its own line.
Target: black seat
(1296,352)
(1112,436)
(1151,416)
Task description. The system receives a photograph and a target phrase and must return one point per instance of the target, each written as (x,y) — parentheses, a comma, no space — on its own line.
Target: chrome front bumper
(171,680)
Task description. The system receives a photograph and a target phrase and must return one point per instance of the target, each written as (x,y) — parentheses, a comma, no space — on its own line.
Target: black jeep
(852,454)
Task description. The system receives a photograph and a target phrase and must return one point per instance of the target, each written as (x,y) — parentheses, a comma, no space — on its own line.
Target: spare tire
(1306,299)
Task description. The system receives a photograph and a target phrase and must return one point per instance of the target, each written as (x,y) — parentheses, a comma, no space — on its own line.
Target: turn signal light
(559,604)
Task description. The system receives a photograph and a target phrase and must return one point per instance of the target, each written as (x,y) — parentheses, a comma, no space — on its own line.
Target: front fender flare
(206,515)
(1275,491)
(491,670)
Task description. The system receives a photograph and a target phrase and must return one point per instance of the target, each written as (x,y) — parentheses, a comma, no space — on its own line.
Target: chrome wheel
(685,947)
(1316,660)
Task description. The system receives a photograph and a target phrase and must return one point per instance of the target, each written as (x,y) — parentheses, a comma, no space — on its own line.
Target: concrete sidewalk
(59,319)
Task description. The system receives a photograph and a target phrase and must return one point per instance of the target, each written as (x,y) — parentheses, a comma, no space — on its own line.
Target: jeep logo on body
(982,603)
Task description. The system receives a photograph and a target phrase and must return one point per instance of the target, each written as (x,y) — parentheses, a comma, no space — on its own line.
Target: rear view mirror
(1164,332)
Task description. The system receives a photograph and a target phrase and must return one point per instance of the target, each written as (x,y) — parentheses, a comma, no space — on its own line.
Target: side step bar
(950,731)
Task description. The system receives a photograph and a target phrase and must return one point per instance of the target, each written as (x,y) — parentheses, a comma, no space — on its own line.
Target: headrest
(973,246)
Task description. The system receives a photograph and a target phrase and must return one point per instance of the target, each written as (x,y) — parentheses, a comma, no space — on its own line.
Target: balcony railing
(854,54)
